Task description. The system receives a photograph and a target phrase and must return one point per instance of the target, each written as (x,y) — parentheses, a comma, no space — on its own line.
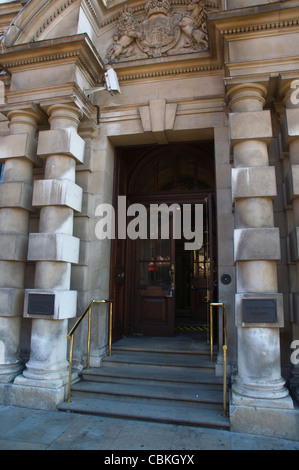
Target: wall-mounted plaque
(41,304)
(259,310)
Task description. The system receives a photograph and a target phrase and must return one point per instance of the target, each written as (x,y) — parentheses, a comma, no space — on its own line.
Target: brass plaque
(41,304)
(259,310)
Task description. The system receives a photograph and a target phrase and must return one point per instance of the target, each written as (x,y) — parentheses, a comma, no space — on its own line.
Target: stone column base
(261,390)
(9,371)
(272,418)
(35,394)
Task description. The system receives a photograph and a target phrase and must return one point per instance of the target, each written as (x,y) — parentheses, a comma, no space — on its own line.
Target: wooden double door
(156,281)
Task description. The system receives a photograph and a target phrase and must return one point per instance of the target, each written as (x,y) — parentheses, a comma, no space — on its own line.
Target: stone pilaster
(18,152)
(290,144)
(54,249)
(256,251)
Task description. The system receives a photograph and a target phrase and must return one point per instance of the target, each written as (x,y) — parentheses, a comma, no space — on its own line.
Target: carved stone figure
(128,31)
(161,32)
(194,25)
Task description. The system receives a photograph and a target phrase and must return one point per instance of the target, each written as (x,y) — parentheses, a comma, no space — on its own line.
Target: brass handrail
(224,347)
(70,336)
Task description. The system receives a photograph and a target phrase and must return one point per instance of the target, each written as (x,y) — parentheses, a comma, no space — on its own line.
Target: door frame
(122,277)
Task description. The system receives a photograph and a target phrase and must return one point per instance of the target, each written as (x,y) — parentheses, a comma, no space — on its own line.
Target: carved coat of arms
(162,32)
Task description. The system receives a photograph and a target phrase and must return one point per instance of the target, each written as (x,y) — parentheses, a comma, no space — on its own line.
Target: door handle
(170,295)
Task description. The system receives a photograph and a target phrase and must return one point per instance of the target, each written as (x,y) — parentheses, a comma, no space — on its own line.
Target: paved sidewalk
(27,429)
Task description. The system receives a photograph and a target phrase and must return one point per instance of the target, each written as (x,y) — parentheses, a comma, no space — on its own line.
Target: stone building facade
(215,82)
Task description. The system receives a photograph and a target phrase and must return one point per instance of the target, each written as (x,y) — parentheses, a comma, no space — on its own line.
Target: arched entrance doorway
(159,285)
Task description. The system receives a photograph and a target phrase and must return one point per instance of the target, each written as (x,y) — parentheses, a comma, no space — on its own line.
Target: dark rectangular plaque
(41,304)
(259,310)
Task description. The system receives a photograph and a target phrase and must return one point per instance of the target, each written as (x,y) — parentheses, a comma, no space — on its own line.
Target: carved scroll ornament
(161,32)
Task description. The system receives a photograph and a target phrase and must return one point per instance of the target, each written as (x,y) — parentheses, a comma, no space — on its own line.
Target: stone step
(143,381)
(175,362)
(130,348)
(157,377)
(188,394)
(179,415)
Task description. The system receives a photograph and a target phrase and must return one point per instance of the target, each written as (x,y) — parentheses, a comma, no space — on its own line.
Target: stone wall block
(13,246)
(61,141)
(289,126)
(16,194)
(53,247)
(257,244)
(53,192)
(18,146)
(11,301)
(292,183)
(253,182)
(251,125)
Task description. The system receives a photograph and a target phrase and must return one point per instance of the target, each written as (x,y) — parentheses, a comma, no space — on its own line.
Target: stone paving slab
(27,429)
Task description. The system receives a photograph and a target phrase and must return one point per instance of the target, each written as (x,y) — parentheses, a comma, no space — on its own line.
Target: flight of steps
(170,387)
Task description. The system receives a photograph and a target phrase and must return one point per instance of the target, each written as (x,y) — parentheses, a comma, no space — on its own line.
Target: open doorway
(196,274)
(159,287)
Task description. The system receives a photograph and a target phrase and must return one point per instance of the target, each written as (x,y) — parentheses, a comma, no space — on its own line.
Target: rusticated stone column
(256,251)
(290,142)
(54,249)
(18,151)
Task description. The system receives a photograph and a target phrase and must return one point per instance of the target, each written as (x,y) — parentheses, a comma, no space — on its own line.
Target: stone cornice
(261,27)
(74,49)
(256,19)
(47,96)
(172,71)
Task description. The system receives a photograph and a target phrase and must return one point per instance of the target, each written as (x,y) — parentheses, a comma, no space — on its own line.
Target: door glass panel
(154,264)
(201,262)
(162,252)
(147,275)
(162,274)
(154,274)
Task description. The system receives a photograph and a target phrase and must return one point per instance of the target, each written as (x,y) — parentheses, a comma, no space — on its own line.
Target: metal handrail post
(224,363)
(110,326)
(70,337)
(88,338)
(224,383)
(221,304)
(213,304)
(211,332)
(70,370)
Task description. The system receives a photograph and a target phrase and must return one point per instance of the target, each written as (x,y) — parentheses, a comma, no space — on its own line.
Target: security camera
(110,83)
